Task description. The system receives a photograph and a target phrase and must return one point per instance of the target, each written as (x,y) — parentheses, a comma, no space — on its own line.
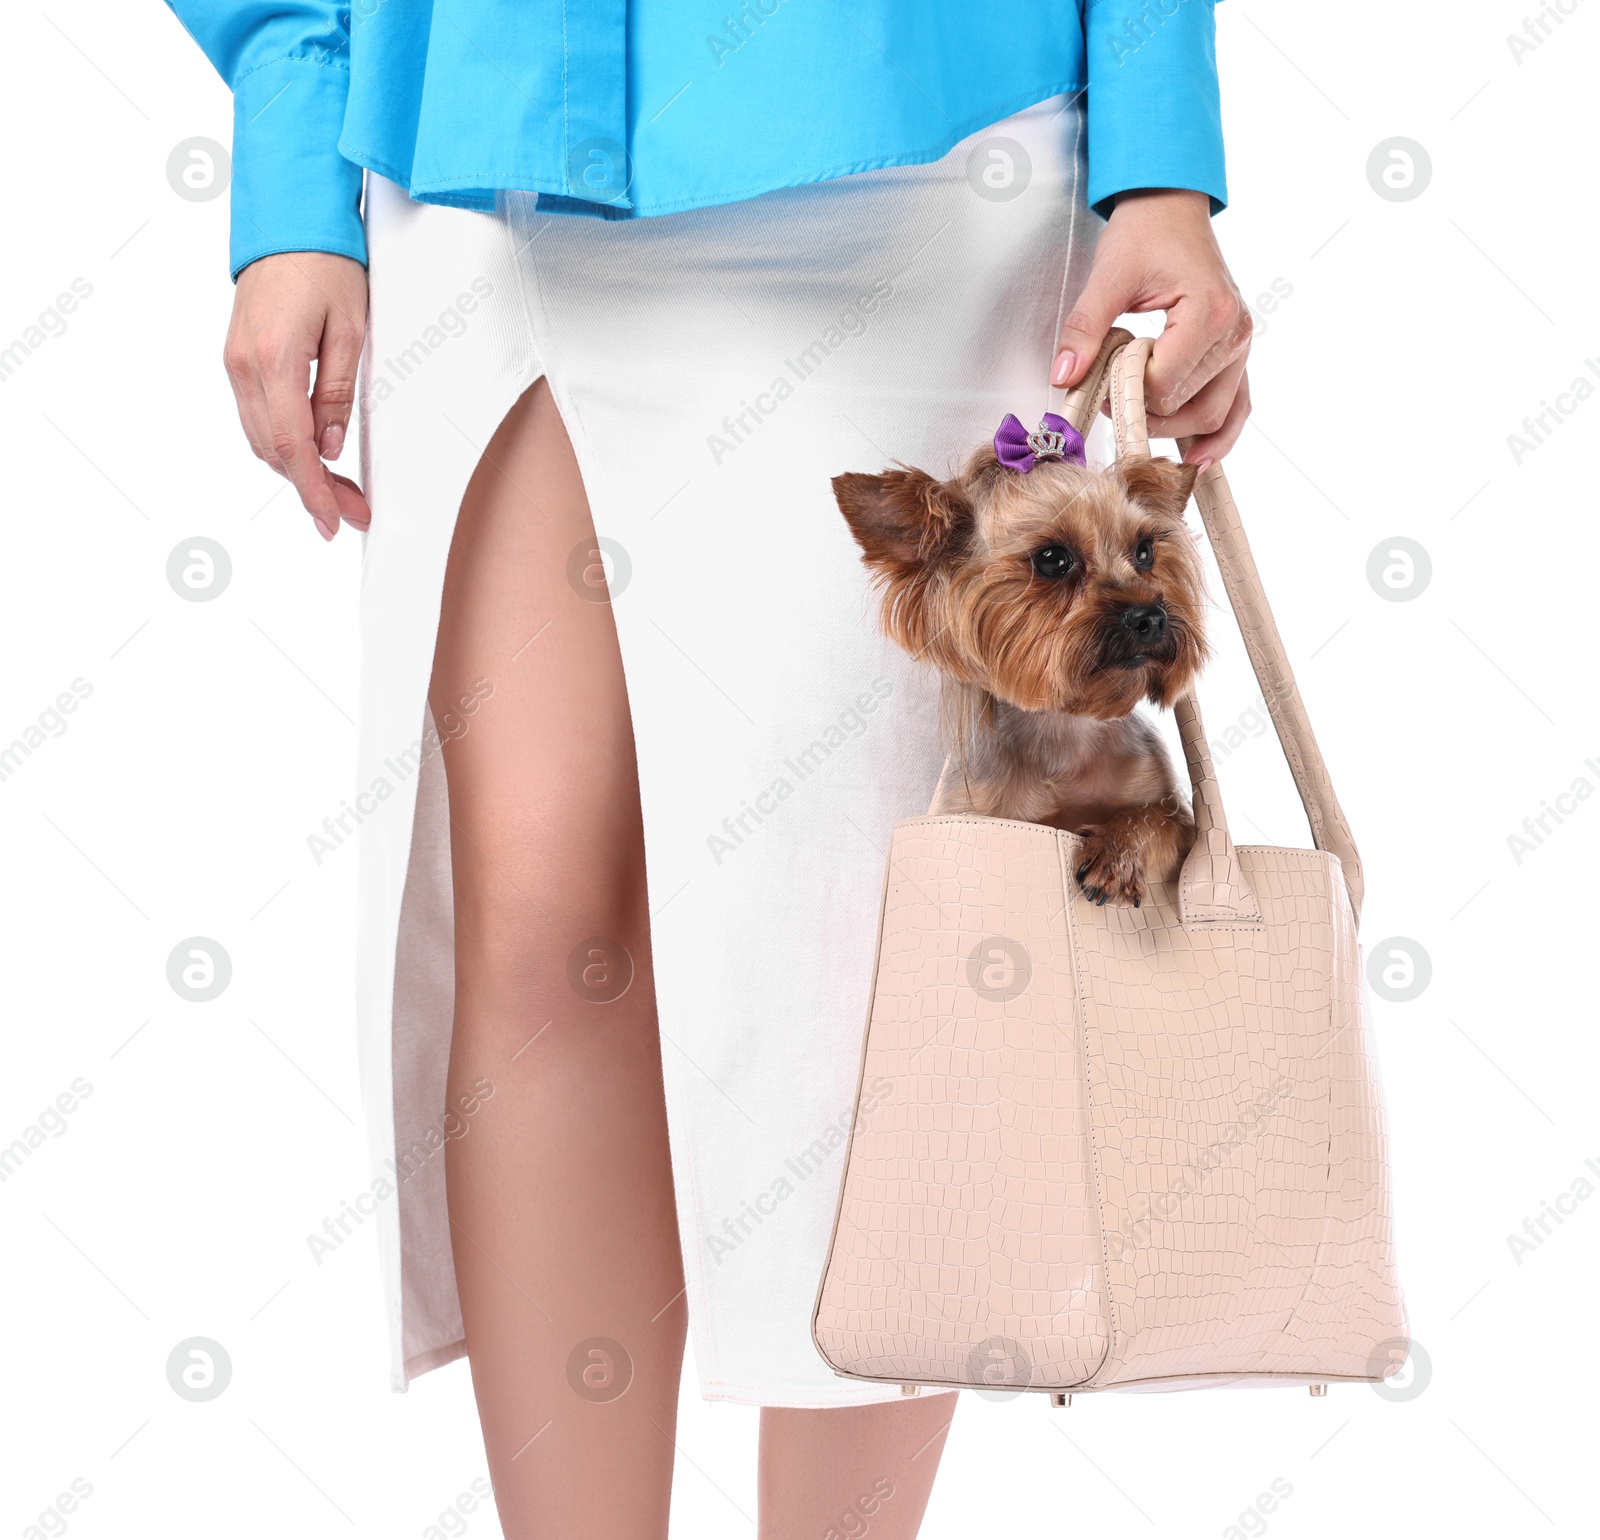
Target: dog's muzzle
(1148,622)
(1142,637)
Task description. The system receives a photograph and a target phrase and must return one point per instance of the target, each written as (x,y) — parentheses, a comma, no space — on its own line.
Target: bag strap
(1213,888)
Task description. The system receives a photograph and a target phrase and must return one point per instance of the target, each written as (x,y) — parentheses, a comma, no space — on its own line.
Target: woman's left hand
(1158,252)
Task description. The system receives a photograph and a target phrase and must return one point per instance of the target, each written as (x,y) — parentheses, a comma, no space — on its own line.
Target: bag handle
(1213,888)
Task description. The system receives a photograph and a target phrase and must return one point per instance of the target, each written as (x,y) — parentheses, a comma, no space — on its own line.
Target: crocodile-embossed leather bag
(1113,1147)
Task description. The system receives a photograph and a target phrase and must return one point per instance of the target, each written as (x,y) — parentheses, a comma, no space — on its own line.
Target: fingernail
(1203,465)
(322,528)
(332,440)
(1061,370)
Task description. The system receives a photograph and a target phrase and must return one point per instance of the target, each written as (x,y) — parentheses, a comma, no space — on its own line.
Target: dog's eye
(1052,561)
(1144,554)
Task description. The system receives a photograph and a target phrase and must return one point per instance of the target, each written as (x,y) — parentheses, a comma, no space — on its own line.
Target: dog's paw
(1109,871)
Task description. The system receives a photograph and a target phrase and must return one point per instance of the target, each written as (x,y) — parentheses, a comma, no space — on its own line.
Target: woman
(630,743)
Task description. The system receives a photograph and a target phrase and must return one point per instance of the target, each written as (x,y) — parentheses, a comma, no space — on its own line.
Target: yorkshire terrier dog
(1052,598)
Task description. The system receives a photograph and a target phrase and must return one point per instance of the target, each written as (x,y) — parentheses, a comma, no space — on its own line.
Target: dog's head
(1064,589)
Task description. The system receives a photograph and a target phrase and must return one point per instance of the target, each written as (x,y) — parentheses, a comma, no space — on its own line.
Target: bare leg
(561,1204)
(851,1470)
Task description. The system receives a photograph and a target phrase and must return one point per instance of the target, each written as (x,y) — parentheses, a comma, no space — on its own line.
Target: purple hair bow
(1055,439)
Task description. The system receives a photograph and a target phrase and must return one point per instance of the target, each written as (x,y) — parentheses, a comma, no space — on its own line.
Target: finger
(335,390)
(249,396)
(289,413)
(1203,335)
(1105,296)
(353,508)
(1213,446)
(1205,411)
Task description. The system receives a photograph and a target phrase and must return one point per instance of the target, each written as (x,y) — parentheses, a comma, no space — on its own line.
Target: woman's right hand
(289,310)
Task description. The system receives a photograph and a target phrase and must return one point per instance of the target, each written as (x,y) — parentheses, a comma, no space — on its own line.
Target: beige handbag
(1113,1148)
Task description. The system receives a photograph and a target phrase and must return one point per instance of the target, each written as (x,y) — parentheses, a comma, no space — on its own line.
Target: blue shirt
(624,108)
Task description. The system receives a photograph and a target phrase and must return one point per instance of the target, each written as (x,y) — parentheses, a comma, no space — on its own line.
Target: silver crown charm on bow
(1047,444)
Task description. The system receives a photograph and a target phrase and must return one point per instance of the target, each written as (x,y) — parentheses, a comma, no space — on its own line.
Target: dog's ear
(903,518)
(1163,486)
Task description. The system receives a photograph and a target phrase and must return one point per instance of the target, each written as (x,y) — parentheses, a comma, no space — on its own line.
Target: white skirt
(714,369)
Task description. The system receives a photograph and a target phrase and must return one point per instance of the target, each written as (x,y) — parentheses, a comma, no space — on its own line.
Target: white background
(177,1198)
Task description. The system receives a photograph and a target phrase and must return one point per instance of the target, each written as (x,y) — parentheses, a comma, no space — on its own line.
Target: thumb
(1105,296)
(334,393)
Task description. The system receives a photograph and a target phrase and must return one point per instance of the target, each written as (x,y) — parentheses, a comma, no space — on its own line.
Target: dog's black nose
(1147,621)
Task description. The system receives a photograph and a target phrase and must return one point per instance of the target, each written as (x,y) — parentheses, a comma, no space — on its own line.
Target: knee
(548,910)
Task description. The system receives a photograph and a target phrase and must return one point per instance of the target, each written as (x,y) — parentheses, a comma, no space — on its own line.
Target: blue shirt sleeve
(1155,113)
(288,65)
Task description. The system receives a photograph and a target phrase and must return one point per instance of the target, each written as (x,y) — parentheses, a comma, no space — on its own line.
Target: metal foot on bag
(1060,1398)
(1318,1390)
(911,1390)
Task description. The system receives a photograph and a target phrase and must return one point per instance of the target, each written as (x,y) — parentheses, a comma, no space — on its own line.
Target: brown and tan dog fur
(1052,603)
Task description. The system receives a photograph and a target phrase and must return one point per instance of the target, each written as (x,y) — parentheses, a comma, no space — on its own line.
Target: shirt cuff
(292,189)
(1155,113)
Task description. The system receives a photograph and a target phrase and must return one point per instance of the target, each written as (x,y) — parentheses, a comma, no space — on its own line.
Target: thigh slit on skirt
(714,369)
